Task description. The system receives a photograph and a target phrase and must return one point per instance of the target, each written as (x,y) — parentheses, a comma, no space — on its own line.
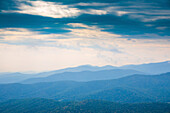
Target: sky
(42,35)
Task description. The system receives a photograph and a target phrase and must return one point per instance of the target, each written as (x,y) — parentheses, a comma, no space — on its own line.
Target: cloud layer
(52,9)
(40,35)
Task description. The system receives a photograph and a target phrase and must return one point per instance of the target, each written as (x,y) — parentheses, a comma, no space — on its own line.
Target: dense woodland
(86,106)
(130,89)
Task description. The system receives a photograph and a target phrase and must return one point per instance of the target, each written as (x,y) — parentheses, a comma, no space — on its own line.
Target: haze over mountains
(152,68)
(126,84)
(85,76)
(130,89)
(89,84)
(87,73)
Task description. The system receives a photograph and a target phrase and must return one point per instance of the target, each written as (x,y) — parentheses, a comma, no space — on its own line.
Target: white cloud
(18,34)
(90,32)
(149,25)
(149,36)
(48,9)
(88,44)
(13,34)
(51,9)
(82,25)
(93,4)
(145,12)
(81,46)
(116,10)
(161,28)
(78,25)
(120,13)
(95,12)
(22,36)
(87,36)
(46,27)
(154,18)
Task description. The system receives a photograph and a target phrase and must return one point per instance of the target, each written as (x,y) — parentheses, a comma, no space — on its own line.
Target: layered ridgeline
(84,76)
(87,106)
(130,89)
(81,73)
(151,68)
(6,78)
(74,73)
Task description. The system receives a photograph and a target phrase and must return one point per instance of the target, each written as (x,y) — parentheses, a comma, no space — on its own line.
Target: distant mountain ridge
(84,76)
(150,68)
(14,77)
(130,89)
(76,69)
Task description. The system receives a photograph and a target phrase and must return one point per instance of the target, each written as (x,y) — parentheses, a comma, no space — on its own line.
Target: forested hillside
(87,106)
(131,89)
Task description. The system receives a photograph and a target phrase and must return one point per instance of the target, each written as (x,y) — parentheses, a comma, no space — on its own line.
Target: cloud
(120,13)
(76,25)
(152,18)
(92,4)
(116,10)
(15,31)
(87,36)
(149,25)
(23,36)
(90,32)
(143,11)
(51,9)
(95,12)
(82,33)
(161,28)
(149,36)
(47,28)
(48,9)
(12,34)
(21,58)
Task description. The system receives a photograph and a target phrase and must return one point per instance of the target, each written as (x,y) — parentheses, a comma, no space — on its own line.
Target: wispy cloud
(90,32)
(48,9)
(86,36)
(22,58)
(12,34)
(149,36)
(92,4)
(95,12)
(161,28)
(51,9)
(145,12)
(76,25)
(149,18)
(97,33)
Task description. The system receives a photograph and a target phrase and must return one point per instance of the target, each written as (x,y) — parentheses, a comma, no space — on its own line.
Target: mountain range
(141,88)
(150,68)
(130,89)
(84,76)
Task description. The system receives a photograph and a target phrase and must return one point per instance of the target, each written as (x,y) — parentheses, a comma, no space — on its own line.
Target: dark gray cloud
(130,17)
